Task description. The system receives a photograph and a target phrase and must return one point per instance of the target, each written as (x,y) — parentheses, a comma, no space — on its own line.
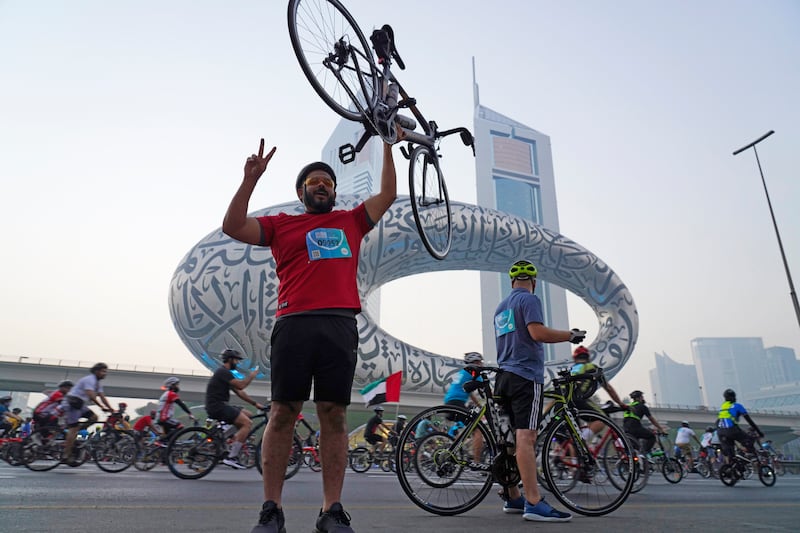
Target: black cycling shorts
(373,439)
(225,413)
(314,348)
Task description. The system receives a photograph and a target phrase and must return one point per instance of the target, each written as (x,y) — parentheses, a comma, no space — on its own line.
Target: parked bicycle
(361,86)
(448,479)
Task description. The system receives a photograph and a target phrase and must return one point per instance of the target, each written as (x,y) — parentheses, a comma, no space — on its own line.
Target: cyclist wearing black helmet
(47,412)
(76,404)
(315,338)
(371,435)
(632,421)
(519,335)
(218,394)
(728,426)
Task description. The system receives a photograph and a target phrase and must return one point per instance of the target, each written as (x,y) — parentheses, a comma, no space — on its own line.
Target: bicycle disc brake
(505,469)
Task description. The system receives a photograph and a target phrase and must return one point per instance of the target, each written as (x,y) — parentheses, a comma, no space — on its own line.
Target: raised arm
(378,204)
(236,223)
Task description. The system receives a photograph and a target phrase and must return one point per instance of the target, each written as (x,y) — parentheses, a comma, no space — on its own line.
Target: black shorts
(224,413)
(318,348)
(373,439)
(521,399)
(453,417)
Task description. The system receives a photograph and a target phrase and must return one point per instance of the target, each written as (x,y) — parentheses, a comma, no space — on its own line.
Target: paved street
(88,500)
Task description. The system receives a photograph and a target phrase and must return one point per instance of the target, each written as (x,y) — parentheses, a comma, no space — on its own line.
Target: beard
(317,204)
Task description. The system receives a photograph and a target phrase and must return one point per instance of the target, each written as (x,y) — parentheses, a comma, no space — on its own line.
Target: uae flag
(384,390)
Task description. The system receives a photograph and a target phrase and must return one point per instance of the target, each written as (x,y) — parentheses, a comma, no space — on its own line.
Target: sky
(124,127)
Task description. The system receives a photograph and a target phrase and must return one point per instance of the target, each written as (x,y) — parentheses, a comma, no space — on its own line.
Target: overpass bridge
(33,374)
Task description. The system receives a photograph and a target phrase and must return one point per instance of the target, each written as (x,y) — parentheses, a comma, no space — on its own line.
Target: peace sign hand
(255,165)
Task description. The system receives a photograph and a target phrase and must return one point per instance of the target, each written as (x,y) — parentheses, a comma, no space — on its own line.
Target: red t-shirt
(53,400)
(142,423)
(316,257)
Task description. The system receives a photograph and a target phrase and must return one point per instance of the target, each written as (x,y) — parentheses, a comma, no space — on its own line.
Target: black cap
(311,167)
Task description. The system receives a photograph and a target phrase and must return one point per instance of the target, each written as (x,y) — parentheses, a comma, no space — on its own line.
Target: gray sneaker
(270,520)
(334,520)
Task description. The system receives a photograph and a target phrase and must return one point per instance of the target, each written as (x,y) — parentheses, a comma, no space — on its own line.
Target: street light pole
(792,292)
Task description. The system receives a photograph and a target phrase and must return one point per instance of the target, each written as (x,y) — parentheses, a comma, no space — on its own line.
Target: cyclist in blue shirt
(728,426)
(456,395)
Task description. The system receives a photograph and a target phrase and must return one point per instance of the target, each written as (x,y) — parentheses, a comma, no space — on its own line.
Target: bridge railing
(50,361)
(679,407)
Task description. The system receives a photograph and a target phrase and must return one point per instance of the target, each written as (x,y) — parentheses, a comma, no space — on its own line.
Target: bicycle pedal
(347,153)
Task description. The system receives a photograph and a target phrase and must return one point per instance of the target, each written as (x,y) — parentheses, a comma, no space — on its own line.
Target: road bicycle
(452,473)
(361,86)
(11,450)
(361,458)
(112,449)
(775,458)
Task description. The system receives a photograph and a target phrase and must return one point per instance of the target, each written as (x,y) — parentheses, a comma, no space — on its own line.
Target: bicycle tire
(432,489)
(615,455)
(149,457)
(728,475)
(766,474)
(295,458)
(114,450)
(590,496)
(192,453)
(430,201)
(557,460)
(672,470)
(43,449)
(359,459)
(315,28)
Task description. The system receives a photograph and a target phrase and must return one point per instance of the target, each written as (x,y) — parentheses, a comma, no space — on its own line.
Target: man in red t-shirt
(49,410)
(146,422)
(315,338)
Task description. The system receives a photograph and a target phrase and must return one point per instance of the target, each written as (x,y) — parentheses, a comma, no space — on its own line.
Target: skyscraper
(781,366)
(728,363)
(514,174)
(674,383)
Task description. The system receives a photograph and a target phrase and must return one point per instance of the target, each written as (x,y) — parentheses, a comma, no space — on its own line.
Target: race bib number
(504,323)
(327,243)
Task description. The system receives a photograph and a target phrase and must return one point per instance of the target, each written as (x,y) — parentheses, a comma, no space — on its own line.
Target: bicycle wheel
(703,469)
(439,474)
(778,467)
(593,494)
(766,474)
(247,455)
(560,459)
(148,457)
(114,451)
(430,202)
(42,450)
(193,453)
(295,458)
(619,459)
(360,459)
(728,475)
(672,470)
(334,56)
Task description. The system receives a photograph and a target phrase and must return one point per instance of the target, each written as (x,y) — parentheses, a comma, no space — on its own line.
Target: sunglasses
(316,180)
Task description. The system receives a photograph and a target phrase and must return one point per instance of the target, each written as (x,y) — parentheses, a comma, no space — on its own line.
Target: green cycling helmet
(522,270)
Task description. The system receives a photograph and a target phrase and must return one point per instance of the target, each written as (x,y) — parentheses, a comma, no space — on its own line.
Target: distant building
(780,366)
(728,363)
(514,169)
(674,383)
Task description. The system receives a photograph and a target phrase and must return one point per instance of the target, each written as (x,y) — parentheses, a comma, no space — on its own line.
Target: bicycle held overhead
(361,86)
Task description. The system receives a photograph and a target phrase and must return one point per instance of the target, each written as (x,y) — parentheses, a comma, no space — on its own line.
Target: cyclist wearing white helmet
(166,406)
(683,439)
(519,334)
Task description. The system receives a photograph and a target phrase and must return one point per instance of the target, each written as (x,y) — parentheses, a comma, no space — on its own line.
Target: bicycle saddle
(384,45)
